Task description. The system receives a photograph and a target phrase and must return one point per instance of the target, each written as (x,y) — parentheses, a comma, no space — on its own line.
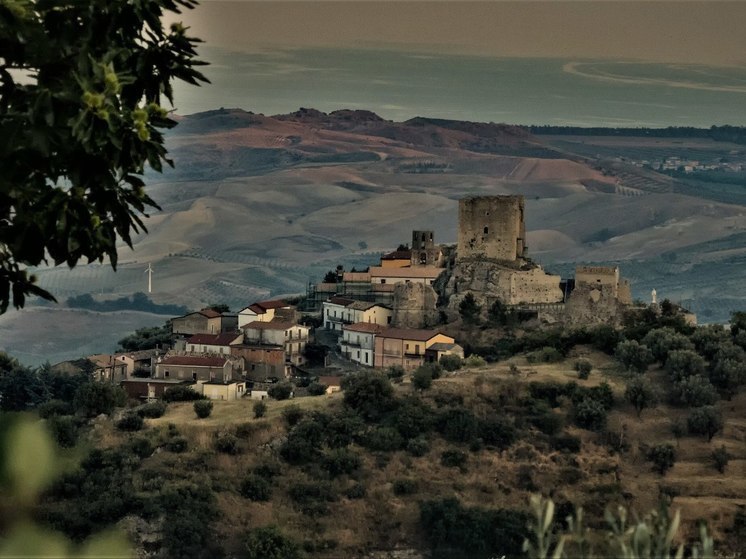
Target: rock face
(414,306)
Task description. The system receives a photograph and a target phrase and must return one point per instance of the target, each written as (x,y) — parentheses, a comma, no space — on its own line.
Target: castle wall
(491,227)
(534,286)
(598,276)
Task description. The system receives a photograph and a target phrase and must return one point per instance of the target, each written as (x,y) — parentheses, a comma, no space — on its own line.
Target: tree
(720,458)
(706,420)
(640,394)
(590,414)
(203,408)
(682,363)
(694,391)
(422,378)
(469,309)
(95,398)
(280,391)
(369,394)
(269,543)
(662,341)
(583,367)
(330,277)
(451,363)
(663,457)
(78,129)
(260,409)
(634,356)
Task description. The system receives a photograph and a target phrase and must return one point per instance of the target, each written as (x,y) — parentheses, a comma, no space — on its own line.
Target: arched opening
(486,230)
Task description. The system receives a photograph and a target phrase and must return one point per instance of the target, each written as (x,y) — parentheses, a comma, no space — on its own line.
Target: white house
(213,344)
(358,342)
(333,312)
(263,311)
(339,311)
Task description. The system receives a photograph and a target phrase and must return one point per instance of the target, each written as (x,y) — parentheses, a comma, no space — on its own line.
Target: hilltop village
(392,314)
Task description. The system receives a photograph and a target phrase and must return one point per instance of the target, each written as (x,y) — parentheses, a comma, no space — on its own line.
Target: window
(194,376)
(358,355)
(366,357)
(383,280)
(486,230)
(406,347)
(166,374)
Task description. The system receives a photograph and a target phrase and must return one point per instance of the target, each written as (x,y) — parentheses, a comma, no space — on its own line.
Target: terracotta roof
(398,255)
(104,360)
(364,327)
(209,313)
(363,305)
(356,276)
(214,339)
(409,334)
(194,361)
(442,346)
(261,307)
(344,301)
(429,272)
(271,325)
(330,381)
(141,354)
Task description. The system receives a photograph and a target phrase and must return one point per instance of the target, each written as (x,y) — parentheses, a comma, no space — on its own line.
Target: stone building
(491,227)
(424,251)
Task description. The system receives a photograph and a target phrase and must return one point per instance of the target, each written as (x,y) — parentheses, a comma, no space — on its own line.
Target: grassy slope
(383,520)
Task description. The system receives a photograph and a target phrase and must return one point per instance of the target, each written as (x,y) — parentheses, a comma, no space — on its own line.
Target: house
(397,259)
(263,311)
(438,350)
(339,311)
(185,367)
(107,368)
(230,390)
(206,321)
(151,388)
(216,344)
(358,342)
(333,384)
(263,362)
(333,312)
(140,361)
(291,337)
(417,274)
(405,347)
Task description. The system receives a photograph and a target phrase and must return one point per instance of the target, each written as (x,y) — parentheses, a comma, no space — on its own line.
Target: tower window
(486,230)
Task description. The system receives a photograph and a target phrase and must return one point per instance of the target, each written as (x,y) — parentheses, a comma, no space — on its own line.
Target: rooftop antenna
(149,271)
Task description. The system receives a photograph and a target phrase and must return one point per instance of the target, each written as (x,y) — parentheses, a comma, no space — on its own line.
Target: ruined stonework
(424,250)
(599,297)
(414,306)
(491,227)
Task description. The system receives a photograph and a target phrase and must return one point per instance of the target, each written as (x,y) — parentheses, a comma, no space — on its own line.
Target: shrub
(544,355)
(412,418)
(418,446)
(640,394)
(303,442)
(663,341)
(497,431)
(404,486)
(548,422)
(341,461)
(590,414)
(177,444)
(370,394)
(683,363)
(260,409)
(525,478)
(64,429)
(550,392)
(312,498)
(453,458)
(280,391)
(269,543)
(356,491)
(316,389)
(203,408)
(152,410)
(181,394)
(227,444)
(142,447)
(395,372)
(663,457)
(583,367)
(268,469)
(384,439)
(292,415)
(458,425)
(422,379)
(256,488)
(694,391)
(130,422)
(54,407)
(634,356)
(706,420)
(720,458)
(451,363)
(566,443)
(95,398)
(469,309)
(474,361)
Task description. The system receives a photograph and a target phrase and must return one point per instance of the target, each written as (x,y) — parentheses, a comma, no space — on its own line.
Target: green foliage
(663,457)
(260,409)
(590,414)
(341,461)
(316,389)
(422,379)
(583,367)
(64,430)
(203,408)
(94,398)
(663,341)
(20,387)
(469,309)
(497,431)
(152,410)
(451,363)
(395,372)
(605,338)
(356,491)
(694,391)
(720,458)
(303,442)
(292,415)
(130,422)
(634,356)
(369,394)
(708,338)
(566,443)
(227,443)
(79,134)
(280,391)
(545,355)
(53,408)
(383,439)
(312,498)
(177,444)
(270,543)
(412,418)
(404,486)
(728,368)
(181,393)
(707,421)
(453,458)
(148,338)
(142,447)
(474,361)
(256,488)
(419,446)
(640,394)
(189,512)
(458,425)
(684,363)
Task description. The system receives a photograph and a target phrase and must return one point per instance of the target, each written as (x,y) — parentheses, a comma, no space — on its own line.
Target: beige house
(333,384)
(215,344)
(397,259)
(263,311)
(138,360)
(404,347)
(417,274)
(185,367)
(292,337)
(438,350)
(358,342)
(340,311)
(206,321)
(229,391)
(108,368)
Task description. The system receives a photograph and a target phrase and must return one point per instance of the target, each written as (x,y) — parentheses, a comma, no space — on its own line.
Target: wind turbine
(149,271)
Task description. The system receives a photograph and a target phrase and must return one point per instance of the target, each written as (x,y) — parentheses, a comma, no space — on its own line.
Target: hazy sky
(708,32)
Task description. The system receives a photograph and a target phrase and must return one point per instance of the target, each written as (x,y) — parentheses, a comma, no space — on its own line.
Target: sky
(694,32)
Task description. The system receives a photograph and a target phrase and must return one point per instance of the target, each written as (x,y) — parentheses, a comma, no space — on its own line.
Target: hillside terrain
(259,206)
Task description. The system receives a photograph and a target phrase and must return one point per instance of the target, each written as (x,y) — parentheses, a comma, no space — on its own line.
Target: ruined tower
(424,250)
(491,227)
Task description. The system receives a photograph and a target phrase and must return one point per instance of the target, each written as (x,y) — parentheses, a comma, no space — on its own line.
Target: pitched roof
(194,361)
(356,276)
(398,255)
(209,313)
(140,354)
(261,307)
(363,305)
(442,346)
(104,360)
(343,301)
(330,381)
(271,325)
(214,339)
(429,272)
(408,334)
(364,327)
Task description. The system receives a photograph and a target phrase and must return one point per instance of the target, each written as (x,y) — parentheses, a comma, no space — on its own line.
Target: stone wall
(593,304)
(424,250)
(491,227)
(414,306)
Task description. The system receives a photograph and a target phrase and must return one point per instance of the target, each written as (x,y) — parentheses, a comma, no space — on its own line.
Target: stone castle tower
(491,227)
(424,250)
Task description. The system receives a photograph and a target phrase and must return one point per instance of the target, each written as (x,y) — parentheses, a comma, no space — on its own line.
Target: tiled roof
(194,361)
(356,276)
(428,272)
(214,339)
(364,327)
(271,325)
(441,346)
(277,304)
(343,301)
(209,313)
(362,305)
(141,354)
(408,334)
(330,381)
(398,255)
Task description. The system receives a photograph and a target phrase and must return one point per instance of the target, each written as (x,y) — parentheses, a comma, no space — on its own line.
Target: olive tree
(81,86)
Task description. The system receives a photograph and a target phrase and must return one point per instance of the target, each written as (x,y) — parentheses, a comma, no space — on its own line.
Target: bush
(303,442)
(497,431)
(292,415)
(142,447)
(181,393)
(663,341)
(177,444)
(422,379)
(95,398)
(458,425)
(583,367)
(633,356)
(312,498)
(418,446)
(565,443)
(227,444)
(356,491)
(706,420)
(64,429)
(404,486)
(412,418)
(682,363)
(694,391)
(663,457)
(260,409)
(268,469)
(451,363)
(341,461)
(54,407)
(453,458)
(269,543)
(152,410)
(256,488)
(640,394)
(316,389)
(720,458)
(590,414)
(130,422)
(280,391)
(525,478)
(384,439)
(395,372)
(545,355)
(369,393)
(203,408)
(474,361)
